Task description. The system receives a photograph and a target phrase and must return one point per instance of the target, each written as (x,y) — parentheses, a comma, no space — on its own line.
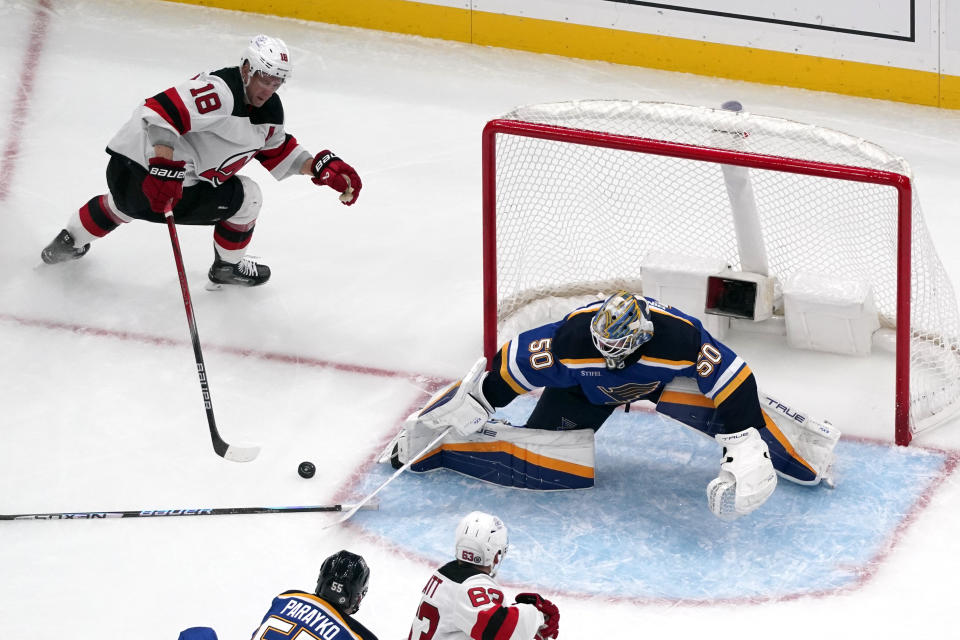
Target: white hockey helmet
(620,326)
(482,540)
(269,56)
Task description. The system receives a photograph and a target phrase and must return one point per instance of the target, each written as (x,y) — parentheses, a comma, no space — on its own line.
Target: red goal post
(650,170)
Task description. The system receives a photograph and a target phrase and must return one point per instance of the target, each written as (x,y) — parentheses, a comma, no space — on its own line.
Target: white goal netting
(581,199)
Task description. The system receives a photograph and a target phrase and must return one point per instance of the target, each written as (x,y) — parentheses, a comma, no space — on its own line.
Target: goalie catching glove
(461,405)
(747,477)
(551,614)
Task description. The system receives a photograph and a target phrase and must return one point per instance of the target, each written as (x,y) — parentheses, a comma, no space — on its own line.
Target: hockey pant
(232,207)
(801,448)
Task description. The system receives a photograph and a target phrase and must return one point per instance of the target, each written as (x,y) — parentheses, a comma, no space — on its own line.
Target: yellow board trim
(622,47)
(398,16)
(500,446)
(707,58)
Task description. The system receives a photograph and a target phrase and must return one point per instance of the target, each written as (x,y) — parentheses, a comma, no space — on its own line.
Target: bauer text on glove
(329,170)
(164,183)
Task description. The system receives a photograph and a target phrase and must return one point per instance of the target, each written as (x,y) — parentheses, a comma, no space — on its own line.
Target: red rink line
(18,118)
(430,382)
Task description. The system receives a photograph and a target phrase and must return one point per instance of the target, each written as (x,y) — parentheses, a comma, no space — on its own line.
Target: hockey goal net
(576,194)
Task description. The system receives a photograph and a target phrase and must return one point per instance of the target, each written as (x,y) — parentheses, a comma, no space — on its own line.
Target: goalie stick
(166,513)
(235,452)
(359,505)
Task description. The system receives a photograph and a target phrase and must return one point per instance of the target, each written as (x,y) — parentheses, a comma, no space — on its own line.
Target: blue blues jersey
(562,354)
(293,611)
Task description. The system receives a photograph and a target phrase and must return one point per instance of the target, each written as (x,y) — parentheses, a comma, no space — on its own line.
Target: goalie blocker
(800,448)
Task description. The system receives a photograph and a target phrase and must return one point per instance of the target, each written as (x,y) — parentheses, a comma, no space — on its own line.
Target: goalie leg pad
(510,456)
(800,446)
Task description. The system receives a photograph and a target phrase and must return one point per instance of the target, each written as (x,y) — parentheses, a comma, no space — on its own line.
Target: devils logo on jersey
(228,168)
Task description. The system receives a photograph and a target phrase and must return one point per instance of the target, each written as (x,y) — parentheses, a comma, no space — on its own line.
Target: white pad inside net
(575,219)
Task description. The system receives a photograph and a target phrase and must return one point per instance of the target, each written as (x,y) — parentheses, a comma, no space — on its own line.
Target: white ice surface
(100,403)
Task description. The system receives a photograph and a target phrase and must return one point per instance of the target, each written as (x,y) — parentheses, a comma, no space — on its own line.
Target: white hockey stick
(356,507)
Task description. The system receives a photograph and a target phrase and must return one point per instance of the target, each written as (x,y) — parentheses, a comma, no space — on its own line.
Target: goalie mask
(482,540)
(620,326)
(343,581)
(268,57)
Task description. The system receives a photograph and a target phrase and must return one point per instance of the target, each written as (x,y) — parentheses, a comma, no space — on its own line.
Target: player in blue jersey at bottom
(603,355)
(326,613)
(462,601)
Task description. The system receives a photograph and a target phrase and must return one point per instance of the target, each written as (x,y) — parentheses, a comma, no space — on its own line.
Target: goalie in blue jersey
(607,354)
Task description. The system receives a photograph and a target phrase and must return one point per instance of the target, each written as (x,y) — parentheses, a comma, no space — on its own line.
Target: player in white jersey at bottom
(462,601)
(606,354)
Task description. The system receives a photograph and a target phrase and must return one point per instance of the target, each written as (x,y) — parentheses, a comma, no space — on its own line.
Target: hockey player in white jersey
(462,601)
(184,147)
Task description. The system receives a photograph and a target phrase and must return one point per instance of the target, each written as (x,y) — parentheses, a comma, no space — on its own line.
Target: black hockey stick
(236,453)
(166,513)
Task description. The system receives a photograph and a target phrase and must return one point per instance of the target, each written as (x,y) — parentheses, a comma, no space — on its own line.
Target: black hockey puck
(306,469)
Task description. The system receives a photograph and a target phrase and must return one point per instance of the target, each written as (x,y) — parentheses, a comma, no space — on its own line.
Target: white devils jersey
(212,129)
(460,602)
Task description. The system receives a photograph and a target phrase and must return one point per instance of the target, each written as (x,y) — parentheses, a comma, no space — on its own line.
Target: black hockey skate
(62,249)
(246,273)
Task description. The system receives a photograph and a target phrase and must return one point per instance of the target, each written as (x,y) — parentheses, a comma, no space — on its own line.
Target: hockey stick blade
(168,513)
(243,452)
(407,465)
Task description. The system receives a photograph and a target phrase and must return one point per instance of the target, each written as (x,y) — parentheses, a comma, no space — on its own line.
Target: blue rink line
(645,532)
